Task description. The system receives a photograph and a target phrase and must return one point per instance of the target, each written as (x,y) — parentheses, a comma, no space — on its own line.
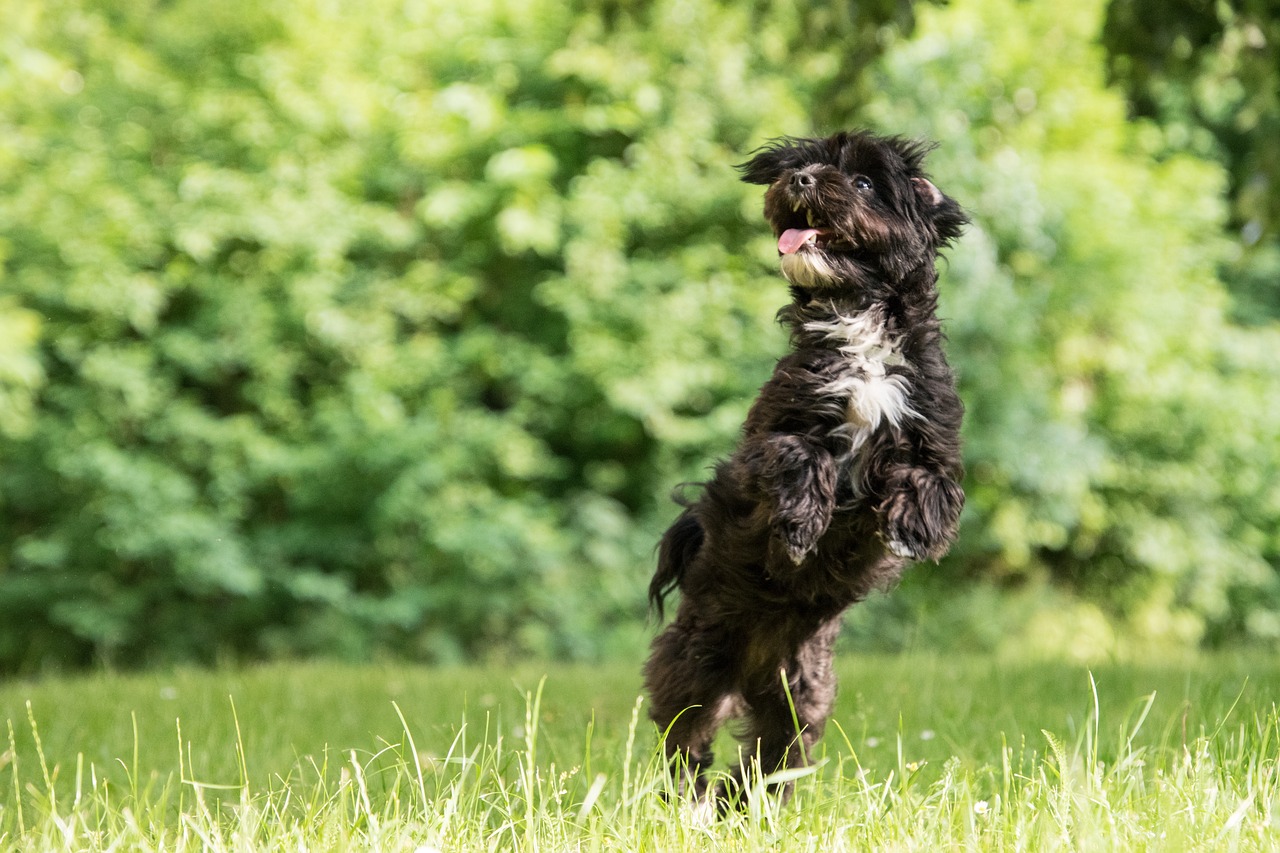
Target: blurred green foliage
(1122,431)
(344,330)
(1209,73)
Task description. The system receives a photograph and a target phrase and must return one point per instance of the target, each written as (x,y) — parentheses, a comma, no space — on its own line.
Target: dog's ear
(945,212)
(771,161)
(928,193)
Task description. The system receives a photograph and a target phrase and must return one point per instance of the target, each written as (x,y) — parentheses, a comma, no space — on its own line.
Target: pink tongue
(793,238)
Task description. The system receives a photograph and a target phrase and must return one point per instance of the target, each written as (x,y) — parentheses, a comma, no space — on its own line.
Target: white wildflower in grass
(981,808)
(928,734)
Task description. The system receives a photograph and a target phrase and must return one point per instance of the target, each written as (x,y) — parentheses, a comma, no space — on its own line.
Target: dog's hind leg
(787,711)
(688,679)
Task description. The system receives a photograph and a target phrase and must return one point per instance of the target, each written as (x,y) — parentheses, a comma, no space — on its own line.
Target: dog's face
(850,207)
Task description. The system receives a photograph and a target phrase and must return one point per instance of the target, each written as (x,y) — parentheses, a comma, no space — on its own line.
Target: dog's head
(852,207)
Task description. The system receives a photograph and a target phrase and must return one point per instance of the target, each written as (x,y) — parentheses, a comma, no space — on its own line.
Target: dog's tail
(679,545)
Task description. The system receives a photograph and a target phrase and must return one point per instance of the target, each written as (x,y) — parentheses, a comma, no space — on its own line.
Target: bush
(1121,432)
(390,329)
(333,331)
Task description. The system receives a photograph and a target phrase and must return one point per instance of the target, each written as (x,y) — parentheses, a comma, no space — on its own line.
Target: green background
(388,328)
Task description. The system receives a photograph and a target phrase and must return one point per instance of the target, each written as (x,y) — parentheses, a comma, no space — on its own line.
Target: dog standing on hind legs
(848,468)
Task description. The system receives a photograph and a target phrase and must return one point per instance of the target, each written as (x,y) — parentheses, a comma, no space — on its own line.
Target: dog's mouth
(804,230)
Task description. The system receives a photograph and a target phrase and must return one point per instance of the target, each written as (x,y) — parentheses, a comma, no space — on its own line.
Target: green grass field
(924,752)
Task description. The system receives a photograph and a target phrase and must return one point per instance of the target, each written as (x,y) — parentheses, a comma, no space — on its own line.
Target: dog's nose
(802,181)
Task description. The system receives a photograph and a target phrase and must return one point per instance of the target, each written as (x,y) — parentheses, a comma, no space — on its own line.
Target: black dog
(849,466)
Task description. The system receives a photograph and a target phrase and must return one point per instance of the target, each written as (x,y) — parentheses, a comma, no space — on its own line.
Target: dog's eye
(862,182)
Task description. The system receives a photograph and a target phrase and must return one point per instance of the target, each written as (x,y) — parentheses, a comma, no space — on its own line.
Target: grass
(924,752)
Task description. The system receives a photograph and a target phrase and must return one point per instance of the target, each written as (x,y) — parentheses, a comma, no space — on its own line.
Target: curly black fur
(848,469)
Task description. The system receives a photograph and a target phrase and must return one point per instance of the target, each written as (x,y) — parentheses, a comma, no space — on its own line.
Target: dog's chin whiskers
(809,270)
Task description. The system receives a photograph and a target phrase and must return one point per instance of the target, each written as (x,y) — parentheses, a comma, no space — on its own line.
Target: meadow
(383,331)
(925,751)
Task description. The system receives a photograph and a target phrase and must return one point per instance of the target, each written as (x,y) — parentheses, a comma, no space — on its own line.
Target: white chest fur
(869,394)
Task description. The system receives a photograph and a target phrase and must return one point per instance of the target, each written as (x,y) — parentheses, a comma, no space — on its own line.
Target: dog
(848,468)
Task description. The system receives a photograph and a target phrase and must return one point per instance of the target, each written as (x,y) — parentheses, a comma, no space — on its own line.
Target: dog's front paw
(920,517)
(906,536)
(798,523)
(902,549)
(799,537)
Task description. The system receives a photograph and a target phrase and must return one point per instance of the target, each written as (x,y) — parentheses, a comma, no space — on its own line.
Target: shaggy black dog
(848,469)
